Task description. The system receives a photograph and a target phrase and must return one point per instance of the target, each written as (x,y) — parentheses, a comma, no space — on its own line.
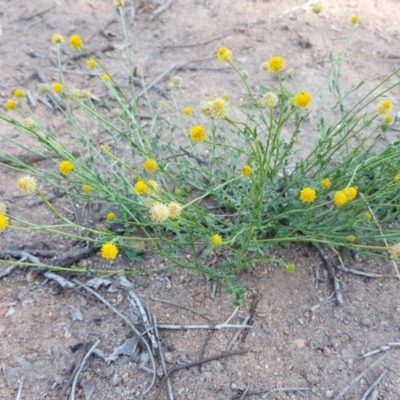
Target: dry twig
(192,364)
(161,9)
(381,349)
(21,383)
(237,333)
(244,394)
(156,80)
(336,284)
(374,385)
(75,381)
(181,46)
(356,379)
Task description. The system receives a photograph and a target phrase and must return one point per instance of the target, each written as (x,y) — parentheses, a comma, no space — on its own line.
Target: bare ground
(299,336)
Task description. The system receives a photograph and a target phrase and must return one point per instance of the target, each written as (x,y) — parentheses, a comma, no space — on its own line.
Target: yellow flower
(105,147)
(106,78)
(119,3)
(302,99)
(247,170)
(395,251)
(355,19)
(66,167)
(91,63)
(294,139)
(351,192)
(43,88)
(216,240)
(170,85)
(110,216)
(109,251)
(308,195)
(19,93)
(269,100)
(3,208)
(224,54)
(140,187)
(57,38)
(86,188)
(27,183)
(388,119)
(3,222)
(398,177)
(10,105)
(159,212)
(175,209)
(340,198)
(368,216)
(385,107)
(351,238)
(325,183)
(150,165)
(291,268)
(317,8)
(275,64)
(177,80)
(198,133)
(187,111)
(29,123)
(75,41)
(58,87)
(219,109)
(225,97)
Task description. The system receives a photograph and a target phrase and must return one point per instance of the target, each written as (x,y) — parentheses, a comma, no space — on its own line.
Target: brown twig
(37,14)
(192,364)
(331,272)
(356,379)
(237,333)
(255,298)
(205,344)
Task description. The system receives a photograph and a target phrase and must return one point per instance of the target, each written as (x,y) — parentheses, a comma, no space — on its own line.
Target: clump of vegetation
(246,197)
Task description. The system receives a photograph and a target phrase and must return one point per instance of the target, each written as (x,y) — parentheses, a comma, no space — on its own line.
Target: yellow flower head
(43,88)
(187,111)
(27,183)
(355,19)
(159,212)
(351,192)
(29,123)
(19,93)
(224,54)
(219,108)
(170,85)
(395,251)
(150,165)
(385,107)
(66,167)
(153,186)
(86,188)
(91,63)
(351,238)
(269,100)
(216,240)
(106,78)
(109,251)
(295,139)
(3,208)
(10,105)
(105,147)
(291,268)
(175,209)
(58,87)
(119,3)
(368,216)
(340,198)
(317,8)
(57,38)
(3,222)
(110,216)
(388,119)
(398,177)
(198,133)
(177,80)
(140,187)
(302,99)
(308,195)
(247,170)
(75,41)
(225,97)
(326,183)
(275,64)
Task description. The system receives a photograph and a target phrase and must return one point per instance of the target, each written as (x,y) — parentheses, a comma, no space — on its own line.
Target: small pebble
(366,322)
(329,394)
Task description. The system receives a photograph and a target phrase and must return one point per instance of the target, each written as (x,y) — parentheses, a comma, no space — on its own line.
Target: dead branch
(192,364)
(356,379)
(21,383)
(7,271)
(75,381)
(34,252)
(182,46)
(237,333)
(381,349)
(157,80)
(161,9)
(374,385)
(37,14)
(181,306)
(331,272)
(244,394)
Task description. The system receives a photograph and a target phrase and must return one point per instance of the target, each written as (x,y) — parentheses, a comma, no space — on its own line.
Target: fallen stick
(7,271)
(381,349)
(161,9)
(75,381)
(156,80)
(367,274)
(192,364)
(373,386)
(244,394)
(21,383)
(237,333)
(331,272)
(182,46)
(356,379)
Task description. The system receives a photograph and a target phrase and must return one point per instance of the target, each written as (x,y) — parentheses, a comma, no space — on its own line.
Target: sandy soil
(299,337)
